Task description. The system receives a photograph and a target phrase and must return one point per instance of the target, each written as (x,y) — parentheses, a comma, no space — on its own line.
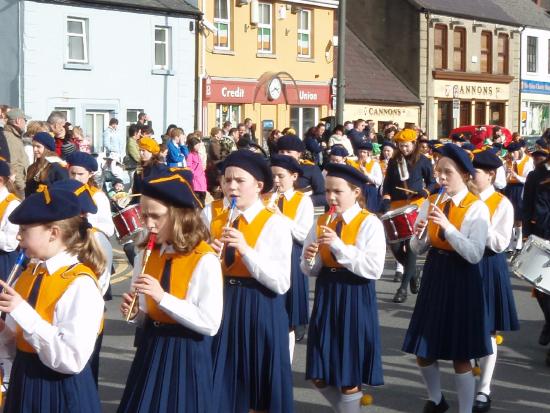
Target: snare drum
(399,223)
(128,222)
(533,263)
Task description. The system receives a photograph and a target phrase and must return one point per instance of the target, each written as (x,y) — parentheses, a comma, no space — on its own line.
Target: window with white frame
(77,40)
(96,123)
(222,23)
(302,118)
(163,47)
(231,113)
(265,28)
(132,116)
(304,33)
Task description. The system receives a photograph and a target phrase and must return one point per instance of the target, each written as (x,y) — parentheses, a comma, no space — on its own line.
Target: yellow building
(268,61)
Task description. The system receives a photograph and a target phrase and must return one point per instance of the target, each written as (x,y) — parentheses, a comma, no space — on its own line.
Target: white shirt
(102,219)
(365,258)
(302,222)
(269,260)
(528,167)
(8,231)
(65,345)
(500,178)
(206,213)
(502,222)
(107,248)
(375,176)
(469,242)
(201,309)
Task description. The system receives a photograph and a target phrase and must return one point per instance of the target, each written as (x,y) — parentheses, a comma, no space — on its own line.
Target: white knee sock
(519,241)
(465,388)
(432,380)
(291,344)
(350,403)
(513,238)
(332,394)
(487,365)
(398,267)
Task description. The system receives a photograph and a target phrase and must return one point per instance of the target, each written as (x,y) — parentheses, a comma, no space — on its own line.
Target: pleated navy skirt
(499,299)
(297,295)
(449,318)
(171,372)
(343,345)
(35,388)
(514,192)
(251,356)
(7,261)
(372,197)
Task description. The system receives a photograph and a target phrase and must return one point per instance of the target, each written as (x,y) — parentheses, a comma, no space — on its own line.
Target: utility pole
(341,75)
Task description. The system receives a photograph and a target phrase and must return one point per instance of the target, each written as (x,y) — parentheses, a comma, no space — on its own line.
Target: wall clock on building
(274,88)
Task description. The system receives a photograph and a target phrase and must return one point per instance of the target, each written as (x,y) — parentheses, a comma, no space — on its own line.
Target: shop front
(535,107)
(404,116)
(462,103)
(271,102)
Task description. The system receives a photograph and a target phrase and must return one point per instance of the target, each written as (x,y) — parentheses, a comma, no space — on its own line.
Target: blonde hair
(77,130)
(78,236)
(35,126)
(40,167)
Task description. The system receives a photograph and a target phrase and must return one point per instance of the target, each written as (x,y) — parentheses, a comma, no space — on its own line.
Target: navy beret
(290,143)
(459,155)
(486,160)
(82,192)
(514,146)
(45,139)
(347,172)
(457,137)
(46,205)
(365,146)
(185,173)
(468,146)
(389,144)
(83,159)
(339,150)
(542,143)
(171,188)
(4,168)
(540,152)
(253,163)
(286,162)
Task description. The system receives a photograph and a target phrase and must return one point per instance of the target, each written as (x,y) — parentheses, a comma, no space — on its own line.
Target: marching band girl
(371,169)
(449,320)
(347,254)
(297,209)
(180,304)
(54,310)
(386,154)
(47,167)
(409,179)
(252,362)
(8,230)
(499,300)
(149,153)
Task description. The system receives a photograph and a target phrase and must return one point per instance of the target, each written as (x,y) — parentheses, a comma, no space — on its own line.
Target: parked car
(477,134)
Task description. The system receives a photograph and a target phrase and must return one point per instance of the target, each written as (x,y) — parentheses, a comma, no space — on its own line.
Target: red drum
(128,222)
(399,223)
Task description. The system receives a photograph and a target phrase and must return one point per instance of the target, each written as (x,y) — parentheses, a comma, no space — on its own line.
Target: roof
(526,13)
(176,7)
(372,81)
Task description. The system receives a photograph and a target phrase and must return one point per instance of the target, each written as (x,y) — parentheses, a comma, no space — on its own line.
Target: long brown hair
(78,236)
(40,167)
(412,158)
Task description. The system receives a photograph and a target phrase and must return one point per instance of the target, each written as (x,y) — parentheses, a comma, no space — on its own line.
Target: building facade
(98,61)
(268,61)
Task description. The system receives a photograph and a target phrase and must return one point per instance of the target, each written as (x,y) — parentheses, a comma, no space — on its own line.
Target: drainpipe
(341,74)
(21,63)
(428,105)
(521,29)
(201,70)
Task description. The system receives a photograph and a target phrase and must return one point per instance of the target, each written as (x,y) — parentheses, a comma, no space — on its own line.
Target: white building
(96,60)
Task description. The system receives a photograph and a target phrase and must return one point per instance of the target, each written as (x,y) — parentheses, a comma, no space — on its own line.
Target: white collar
(458,197)
(547,166)
(289,194)
(351,213)
(484,195)
(3,193)
(60,260)
(250,213)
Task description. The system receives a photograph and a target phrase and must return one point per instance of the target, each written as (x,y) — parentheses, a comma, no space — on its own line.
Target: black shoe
(299,333)
(398,277)
(414,283)
(400,296)
(480,406)
(431,407)
(544,338)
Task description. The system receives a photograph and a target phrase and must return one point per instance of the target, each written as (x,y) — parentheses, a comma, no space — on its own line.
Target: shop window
(222,23)
(496,113)
(486,61)
(304,33)
(465,113)
(96,123)
(444,118)
(231,113)
(303,118)
(459,52)
(502,55)
(480,113)
(77,40)
(265,28)
(532,54)
(539,118)
(163,48)
(440,46)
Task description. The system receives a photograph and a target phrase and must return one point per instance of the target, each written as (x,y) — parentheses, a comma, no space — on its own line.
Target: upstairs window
(486,63)
(502,54)
(162,47)
(459,49)
(532,54)
(440,46)
(77,40)
(222,22)
(265,28)
(304,33)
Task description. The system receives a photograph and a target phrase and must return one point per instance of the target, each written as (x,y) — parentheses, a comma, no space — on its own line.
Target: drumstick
(230,217)
(439,195)
(146,255)
(331,212)
(406,190)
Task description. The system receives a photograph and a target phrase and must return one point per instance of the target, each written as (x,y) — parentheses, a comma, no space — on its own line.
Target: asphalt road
(521,382)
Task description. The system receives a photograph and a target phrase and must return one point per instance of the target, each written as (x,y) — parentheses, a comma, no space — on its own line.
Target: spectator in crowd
(226,128)
(19,162)
(357,134)
(312,145)
(338,137)
(348,125)
(4,151)
(177,150)
(219,147)
(195,164)
(112,140)
(274,135)
(144,120)
(234,136)
(81,142)
(250,128)
(166,136)
(242,129)
(57,121)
